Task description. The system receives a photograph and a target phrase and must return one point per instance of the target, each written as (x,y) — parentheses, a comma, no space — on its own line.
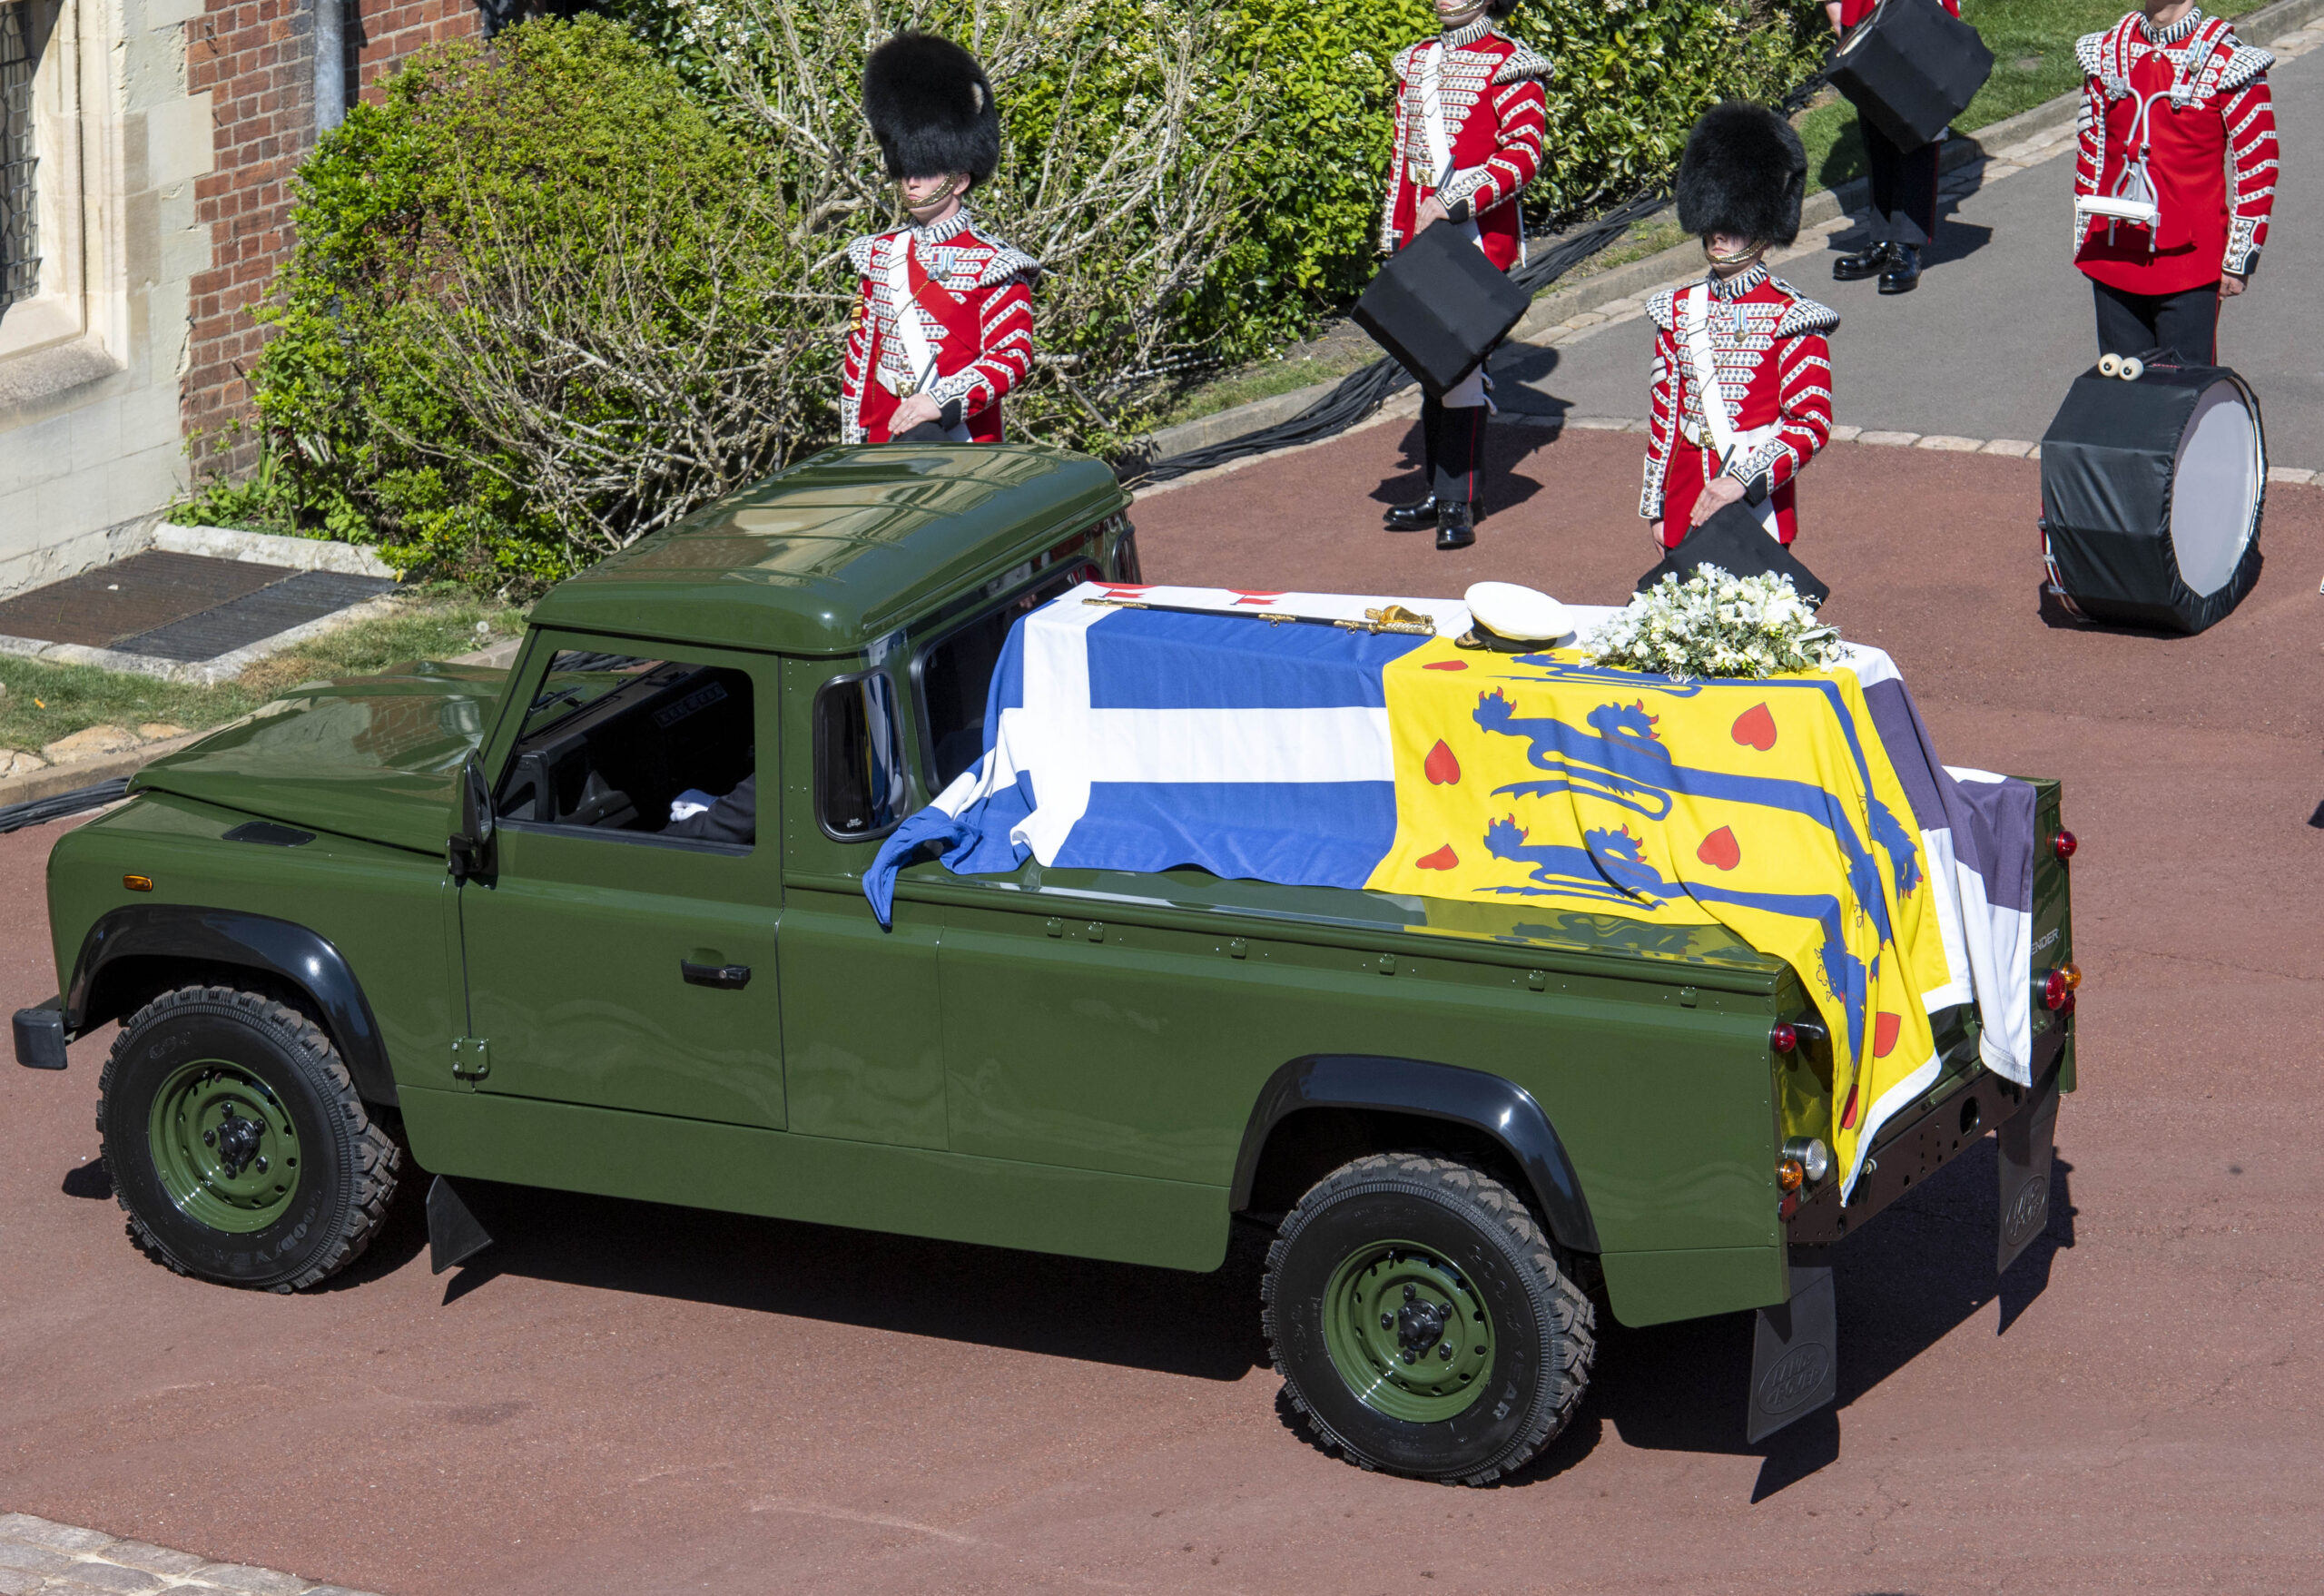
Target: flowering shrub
(1715,625)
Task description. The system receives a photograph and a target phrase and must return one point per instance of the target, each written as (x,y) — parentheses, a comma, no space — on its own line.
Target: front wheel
(237,1144)
(1421,1320)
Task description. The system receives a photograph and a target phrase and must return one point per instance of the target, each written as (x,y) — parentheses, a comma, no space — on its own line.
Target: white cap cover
(1522,614)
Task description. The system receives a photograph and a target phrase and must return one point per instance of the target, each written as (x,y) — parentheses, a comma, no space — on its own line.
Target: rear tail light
(2065,843)
(1788,1035)
(1814,1159)
(2058,987)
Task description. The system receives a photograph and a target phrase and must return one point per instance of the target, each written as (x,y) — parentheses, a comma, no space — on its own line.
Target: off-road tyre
(292,1081)
(1465,1227)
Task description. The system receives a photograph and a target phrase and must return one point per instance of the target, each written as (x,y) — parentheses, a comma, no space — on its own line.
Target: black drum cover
(1736,541)
(1910,68)
(2152,493)
(1439,306)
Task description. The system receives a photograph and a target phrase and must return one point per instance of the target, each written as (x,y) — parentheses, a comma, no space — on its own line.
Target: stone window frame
(70,331)
(19,155)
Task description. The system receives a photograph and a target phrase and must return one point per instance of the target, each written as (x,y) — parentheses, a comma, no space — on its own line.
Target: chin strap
(1740,258)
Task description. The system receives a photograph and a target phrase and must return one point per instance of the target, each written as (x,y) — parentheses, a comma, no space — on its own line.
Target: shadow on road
(1507,445)
(1907,1281)
(1205,1327)
(91,1180)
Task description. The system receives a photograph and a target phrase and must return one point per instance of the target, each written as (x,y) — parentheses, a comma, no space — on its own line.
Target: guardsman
(2175,118)
(944,322)
(1471,114)
(1741,388)
(1903,219)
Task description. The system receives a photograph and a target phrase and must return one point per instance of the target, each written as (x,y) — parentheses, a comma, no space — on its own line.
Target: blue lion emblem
(1611,867)
(1620,758)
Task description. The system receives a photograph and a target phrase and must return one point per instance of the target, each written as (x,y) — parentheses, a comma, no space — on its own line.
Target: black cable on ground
(1363,391)
(16,817)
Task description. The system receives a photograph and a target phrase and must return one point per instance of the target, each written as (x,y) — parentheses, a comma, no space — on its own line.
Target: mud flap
(2026,1138)
(1796,1350)
(454,1235)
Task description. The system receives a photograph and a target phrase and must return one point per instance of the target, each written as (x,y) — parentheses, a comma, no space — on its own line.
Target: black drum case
(2124,464)
(1735,541)
(1439,306)
(1910,68)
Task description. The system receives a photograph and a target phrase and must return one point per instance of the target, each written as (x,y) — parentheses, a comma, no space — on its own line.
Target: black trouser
(1453,451)
(2134,324)
(1903,189)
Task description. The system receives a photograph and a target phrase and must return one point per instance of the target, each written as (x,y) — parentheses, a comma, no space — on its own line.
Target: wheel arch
(1328,1104)
(136,951)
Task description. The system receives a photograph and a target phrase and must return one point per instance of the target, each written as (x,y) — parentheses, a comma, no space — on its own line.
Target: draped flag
(1807,814)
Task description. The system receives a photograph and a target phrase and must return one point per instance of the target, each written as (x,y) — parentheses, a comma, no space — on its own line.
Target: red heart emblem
(1720,851)
(1755,728)
(1442,769)
(1444,858)
(1446,664)
(1883,1033)
(1847,1115)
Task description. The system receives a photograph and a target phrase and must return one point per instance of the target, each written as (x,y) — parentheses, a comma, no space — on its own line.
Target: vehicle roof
(840,549)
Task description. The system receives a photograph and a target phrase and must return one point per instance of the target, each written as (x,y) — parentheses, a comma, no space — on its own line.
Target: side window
(860,787)
(955,672)
(660,747)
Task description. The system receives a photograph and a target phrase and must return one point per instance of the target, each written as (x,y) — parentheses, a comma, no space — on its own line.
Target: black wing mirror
(468,851)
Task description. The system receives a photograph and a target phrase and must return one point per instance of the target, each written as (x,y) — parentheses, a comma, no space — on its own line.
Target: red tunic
(1775,377)
(1495,112)
(970,294)
(2204,94)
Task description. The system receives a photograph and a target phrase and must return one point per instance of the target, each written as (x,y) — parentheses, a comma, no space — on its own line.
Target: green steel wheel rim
(1408,1332)
(224,1146)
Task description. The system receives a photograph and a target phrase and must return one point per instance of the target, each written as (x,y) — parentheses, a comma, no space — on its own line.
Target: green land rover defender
(440,917)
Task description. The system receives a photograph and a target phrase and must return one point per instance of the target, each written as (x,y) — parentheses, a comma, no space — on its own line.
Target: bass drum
(2152,491)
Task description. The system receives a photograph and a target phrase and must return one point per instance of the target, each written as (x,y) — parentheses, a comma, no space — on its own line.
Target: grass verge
(41,702)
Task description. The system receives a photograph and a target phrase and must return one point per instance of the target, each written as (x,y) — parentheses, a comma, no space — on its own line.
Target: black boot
(1456,526)
(1904,273)
(1856,268)
(1416,516)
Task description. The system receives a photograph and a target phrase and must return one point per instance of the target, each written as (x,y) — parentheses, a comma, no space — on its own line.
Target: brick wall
(255,59)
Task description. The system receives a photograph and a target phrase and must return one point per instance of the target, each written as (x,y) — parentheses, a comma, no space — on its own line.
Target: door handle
(733,978)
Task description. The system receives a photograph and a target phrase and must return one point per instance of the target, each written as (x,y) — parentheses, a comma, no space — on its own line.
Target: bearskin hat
(1743,172)
(1497,9)
(931,107)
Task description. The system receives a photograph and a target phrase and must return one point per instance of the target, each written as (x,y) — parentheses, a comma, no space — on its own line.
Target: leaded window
(19,213)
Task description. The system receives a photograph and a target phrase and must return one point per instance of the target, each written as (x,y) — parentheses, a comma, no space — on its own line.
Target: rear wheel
(1422,1323)
(237,1144)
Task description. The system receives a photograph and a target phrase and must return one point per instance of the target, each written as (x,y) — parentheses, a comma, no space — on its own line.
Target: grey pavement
(38,1557)
(2002,322)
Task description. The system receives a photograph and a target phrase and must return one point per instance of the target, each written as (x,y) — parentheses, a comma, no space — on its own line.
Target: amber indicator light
(138,883)
(1789,1174)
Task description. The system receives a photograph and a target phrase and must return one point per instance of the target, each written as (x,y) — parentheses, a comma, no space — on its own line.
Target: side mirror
(468,850)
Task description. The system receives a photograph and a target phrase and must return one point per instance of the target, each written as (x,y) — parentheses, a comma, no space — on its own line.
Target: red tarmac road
(638,1400)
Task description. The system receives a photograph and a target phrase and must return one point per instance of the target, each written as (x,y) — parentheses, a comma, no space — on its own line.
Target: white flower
(1715,623)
